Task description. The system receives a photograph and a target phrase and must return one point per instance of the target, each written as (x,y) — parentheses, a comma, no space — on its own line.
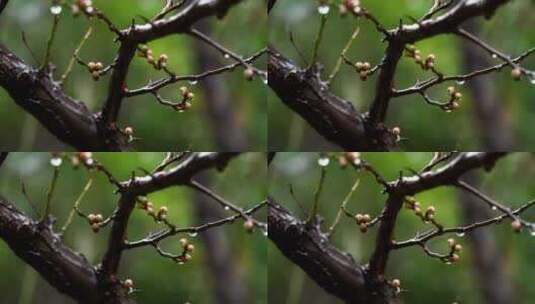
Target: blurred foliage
(159,280)
(424,280)
(426,127)
(243,30)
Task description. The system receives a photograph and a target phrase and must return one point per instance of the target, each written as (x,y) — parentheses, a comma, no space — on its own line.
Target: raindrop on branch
(461,82)
(324,161)
(56,9)
(460,234)
(324,9)
(56,161)
(193,234)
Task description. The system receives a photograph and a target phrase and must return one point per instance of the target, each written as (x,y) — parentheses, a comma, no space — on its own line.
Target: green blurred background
(243,30)
(158,279)
(424,280)
(426,127)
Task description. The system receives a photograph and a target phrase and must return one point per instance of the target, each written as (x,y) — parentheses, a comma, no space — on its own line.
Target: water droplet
(532,78)
(494,208)
(193,82)
(460,234)
(494,56)
(193,234)
(532,233)
(323,161)
(56,161)
(265,80)
(324,9)
(56,9)
(461,82)
(265,233)
(89,162)
(227,208)
(227,56)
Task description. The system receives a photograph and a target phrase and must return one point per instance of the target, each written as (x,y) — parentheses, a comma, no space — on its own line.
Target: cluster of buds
(364,69)
(516,225)
(396,131)
(455,249)
(129,285)
(396,284)
(352,6)
(85,6)
(129,133)
(95,68)
(95,220)
(412,204)
(145,204)
(187,96)
(85,158)
(248,225)
(347,158)
(429,213)
(516,73)
(162,61)
(187,249)
(162,213)
(414,53)
(249,74)
(146,52)
(455,98)
(363,220)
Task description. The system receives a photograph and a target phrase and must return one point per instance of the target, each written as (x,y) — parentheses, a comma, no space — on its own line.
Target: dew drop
(494,56)
(460,234)
(193,234)
(494,208)
(56,9)
(56,161)
(265,233)
(324,161)
(227,56)
(227,208)
(323,9)
(532,233)
(193,82)
(461,82)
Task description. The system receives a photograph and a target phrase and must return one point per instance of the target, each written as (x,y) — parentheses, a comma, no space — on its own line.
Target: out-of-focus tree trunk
(227,131)
(494,129)
(229,283)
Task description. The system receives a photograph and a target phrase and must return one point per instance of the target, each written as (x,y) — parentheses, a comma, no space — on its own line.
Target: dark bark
(335,271)
(69,120)
(39,246)
(334,118)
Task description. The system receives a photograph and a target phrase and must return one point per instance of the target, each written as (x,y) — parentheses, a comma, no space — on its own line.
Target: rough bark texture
(335,271)
(39,246)
(334,118)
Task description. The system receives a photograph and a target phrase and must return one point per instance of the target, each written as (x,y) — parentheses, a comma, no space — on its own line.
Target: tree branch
(334,118)
(335,271)
(36,92)
(39,246)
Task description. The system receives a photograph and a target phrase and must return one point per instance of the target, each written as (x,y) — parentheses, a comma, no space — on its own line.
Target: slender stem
(342,207)
(318,39)
(343,53)
(53,183)
(317,195)
(76,204)
(75,54)
(50,41)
